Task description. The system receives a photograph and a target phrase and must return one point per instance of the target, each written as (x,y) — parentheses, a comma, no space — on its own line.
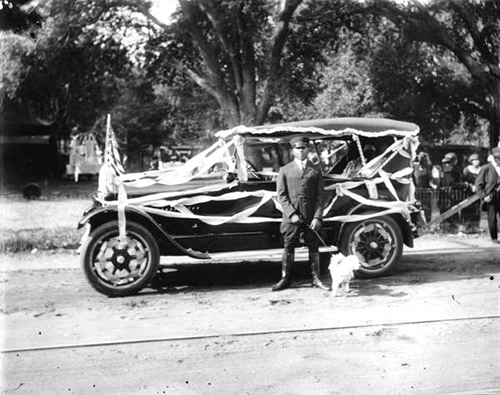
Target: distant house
(29,149)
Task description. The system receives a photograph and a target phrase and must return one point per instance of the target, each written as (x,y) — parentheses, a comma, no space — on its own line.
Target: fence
(436,201)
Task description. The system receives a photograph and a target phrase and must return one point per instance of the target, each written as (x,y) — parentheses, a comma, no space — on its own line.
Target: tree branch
(248,72)
(436,33)
(199,80)
(229,46)
(145,11)
(478,109)
(207,51)
(472,28)
(214,68)
(280,34)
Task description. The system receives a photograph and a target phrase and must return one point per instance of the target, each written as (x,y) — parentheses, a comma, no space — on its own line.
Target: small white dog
(342,271)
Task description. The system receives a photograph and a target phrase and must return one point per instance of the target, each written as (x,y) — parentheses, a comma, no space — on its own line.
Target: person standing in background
(422,170)
(488,188)
(472,213)
(471,171)
(448,193)
(451,172)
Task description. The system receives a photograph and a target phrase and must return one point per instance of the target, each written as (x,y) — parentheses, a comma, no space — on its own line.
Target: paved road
(431,328)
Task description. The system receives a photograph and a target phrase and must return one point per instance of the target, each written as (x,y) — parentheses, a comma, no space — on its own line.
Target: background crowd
(441,186)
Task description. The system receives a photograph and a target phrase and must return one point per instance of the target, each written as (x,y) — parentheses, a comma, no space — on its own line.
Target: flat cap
(473,157)
(450,157)
(299,141)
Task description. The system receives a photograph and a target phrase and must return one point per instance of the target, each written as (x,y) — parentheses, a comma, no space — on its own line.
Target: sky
(162,9)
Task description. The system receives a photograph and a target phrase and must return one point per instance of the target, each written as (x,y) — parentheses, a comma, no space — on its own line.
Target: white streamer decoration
(228,152)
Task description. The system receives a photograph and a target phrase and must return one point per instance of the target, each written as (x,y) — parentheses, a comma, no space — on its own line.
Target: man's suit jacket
(300,192)
(487,180)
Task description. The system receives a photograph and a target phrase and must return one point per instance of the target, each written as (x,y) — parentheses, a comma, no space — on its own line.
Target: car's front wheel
(119,267)
(377,242)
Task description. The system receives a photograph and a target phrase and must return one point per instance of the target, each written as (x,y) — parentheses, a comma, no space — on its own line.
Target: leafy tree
(414,82)
(349,91)
(234,50)
(18,26)
(14,50)
(19,16)
(190,107)
(346,90)
(73,72)
(375,69)
(469,31)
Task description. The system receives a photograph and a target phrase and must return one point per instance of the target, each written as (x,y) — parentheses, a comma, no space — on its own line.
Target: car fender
(101,215)
(361,208)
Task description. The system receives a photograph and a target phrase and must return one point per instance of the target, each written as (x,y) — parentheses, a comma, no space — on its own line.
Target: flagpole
(108,137)
(105,174)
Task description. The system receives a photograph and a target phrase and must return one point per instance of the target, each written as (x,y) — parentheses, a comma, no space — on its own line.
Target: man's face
(300,151)
(497,159)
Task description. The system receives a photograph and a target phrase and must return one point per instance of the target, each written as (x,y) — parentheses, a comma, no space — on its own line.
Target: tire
(32,192)
(114,268)
(378,244)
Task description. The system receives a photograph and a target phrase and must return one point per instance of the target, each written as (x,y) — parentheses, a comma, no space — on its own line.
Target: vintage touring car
(224,199)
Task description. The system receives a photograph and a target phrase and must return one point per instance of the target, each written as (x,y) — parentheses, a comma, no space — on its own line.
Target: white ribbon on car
(218,154)
(225,153)
(122,202)
(244,216)
(183,210)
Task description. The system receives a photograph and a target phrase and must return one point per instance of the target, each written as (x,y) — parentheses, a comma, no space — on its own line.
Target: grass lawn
(47,223)
(19,214)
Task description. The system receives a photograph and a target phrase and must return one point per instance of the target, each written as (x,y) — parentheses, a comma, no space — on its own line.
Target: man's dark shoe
(284,283)
(316,282)
(286,271)
(494,241)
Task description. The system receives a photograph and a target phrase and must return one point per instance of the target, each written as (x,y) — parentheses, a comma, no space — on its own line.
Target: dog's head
(352,262)
(335,260)
(344,265)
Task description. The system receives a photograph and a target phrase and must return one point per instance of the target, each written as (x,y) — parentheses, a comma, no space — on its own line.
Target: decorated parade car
(224,199)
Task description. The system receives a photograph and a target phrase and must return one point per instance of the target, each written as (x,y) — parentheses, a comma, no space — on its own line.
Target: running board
(270,255)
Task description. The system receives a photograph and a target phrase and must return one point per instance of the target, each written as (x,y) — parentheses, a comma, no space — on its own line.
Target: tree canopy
(237,52)
(71,69)
(468,31)
(221,63)
(19,16)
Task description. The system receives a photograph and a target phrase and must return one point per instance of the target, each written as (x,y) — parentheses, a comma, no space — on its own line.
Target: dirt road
(430,328)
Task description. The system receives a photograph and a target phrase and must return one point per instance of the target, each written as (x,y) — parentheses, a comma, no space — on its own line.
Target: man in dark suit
(300,188)
(488,188)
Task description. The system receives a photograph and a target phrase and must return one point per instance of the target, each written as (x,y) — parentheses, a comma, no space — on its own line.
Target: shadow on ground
(244,274)
(414,269)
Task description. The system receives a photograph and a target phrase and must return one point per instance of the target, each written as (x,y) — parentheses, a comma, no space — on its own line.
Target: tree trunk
(495,115)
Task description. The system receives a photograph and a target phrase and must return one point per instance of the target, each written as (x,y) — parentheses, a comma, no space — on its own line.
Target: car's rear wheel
(377,242)
(116,267)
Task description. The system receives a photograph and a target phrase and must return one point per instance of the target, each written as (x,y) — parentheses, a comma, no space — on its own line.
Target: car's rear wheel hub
(373,243)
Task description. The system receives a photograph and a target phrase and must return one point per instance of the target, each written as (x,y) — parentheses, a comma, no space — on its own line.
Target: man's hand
(315,224)
(295,219)
(488,199)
